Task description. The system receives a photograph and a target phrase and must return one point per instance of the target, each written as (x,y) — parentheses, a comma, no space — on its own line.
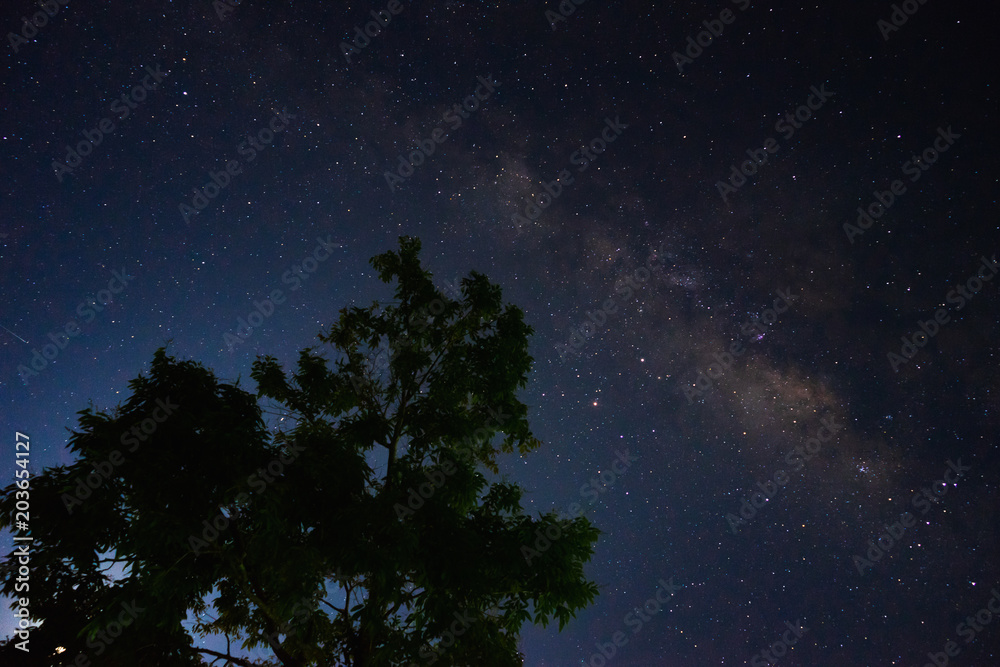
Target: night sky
(755,261)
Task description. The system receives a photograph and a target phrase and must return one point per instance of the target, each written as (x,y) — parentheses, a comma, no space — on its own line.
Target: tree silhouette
(367,527)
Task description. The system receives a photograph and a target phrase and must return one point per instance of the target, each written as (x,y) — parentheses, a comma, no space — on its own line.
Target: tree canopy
(365,525)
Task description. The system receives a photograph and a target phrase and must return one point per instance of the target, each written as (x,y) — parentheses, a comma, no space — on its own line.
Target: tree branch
(337,609)
(239,661)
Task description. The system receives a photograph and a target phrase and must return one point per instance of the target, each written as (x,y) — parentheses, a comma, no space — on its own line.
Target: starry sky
(755,243)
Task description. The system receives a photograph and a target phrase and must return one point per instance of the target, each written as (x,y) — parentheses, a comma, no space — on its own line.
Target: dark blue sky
(644,209)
